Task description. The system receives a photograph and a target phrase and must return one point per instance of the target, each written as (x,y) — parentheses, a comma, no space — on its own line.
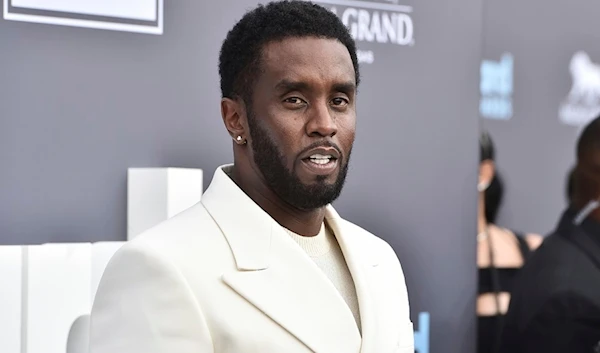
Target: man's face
(302,119)
(588,175)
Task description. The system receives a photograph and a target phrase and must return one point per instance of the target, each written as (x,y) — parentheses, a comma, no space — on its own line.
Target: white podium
(11,275)
(58,292)
(48,290)
(157,194)
(47,295)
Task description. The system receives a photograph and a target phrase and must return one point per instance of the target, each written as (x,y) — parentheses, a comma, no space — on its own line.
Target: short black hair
(585,184)
(589,140)
(239,59)
(487,150)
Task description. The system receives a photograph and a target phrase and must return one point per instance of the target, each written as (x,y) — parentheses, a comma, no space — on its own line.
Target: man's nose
(321,121)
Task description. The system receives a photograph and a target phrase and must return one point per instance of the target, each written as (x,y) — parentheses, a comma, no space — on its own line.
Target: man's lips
(320,152)
(320,166)
(321,160)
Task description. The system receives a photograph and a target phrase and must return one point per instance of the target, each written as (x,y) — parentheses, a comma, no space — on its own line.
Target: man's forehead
(307,56)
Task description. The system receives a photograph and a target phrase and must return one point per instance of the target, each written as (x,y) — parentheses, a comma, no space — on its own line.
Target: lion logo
(583,101)
(586,79)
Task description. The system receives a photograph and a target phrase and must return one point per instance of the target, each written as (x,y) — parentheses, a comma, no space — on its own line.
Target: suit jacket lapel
(276,276)
(360,264)
(296,294)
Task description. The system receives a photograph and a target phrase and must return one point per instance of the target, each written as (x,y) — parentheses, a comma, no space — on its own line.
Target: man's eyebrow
(288,85)
(345,87)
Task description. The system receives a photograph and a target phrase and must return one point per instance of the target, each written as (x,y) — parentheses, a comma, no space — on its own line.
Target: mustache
(327,144)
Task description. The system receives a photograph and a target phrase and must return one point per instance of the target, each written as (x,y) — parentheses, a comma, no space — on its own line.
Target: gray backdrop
(535,149)
(80,106)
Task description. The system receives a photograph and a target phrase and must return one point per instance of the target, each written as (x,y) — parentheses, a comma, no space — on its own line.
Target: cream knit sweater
(325,251)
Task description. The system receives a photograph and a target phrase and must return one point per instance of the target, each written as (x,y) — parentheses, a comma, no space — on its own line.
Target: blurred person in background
(555,307)
(501,252)
(570,185)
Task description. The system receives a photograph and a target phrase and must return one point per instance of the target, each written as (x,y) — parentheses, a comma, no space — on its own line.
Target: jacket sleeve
(566,324)
(144,305)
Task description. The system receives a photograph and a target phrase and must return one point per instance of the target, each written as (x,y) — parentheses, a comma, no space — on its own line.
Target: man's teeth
(320,159)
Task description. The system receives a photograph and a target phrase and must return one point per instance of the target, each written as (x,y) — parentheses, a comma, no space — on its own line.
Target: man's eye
(294,100)
(339,101)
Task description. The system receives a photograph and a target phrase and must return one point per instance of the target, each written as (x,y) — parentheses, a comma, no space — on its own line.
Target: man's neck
(302,222)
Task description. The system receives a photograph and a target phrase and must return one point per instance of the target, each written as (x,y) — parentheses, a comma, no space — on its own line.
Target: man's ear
(233,112)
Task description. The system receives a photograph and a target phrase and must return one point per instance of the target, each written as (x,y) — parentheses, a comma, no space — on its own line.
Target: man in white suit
(264,263)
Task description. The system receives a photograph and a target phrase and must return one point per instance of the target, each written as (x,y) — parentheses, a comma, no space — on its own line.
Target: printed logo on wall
(422,335)
(372,21)
(496,88)
(141,16)
(583,102)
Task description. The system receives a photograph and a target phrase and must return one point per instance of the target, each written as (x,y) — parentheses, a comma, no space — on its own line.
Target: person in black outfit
(500,253)
(555,306)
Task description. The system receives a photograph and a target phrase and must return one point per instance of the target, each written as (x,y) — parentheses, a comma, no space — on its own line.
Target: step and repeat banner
(90,89)
(540,84)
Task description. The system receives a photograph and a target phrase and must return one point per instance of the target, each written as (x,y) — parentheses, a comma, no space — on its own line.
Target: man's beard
(284,182)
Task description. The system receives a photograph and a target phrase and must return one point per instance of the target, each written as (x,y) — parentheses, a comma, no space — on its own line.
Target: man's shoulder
(551,262)
(178,234)
(560,265)
(187,221)
(565,322)
(557,276)
(569,310)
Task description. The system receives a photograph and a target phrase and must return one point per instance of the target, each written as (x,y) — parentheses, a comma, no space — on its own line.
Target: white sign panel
(11,263)
(47,294)
(157,194)
(58,292)
(143,16)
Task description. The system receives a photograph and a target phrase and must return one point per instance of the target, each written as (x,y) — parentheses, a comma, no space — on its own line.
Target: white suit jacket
(224,277)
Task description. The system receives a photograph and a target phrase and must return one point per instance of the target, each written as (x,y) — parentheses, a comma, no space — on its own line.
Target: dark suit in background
(555,303)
